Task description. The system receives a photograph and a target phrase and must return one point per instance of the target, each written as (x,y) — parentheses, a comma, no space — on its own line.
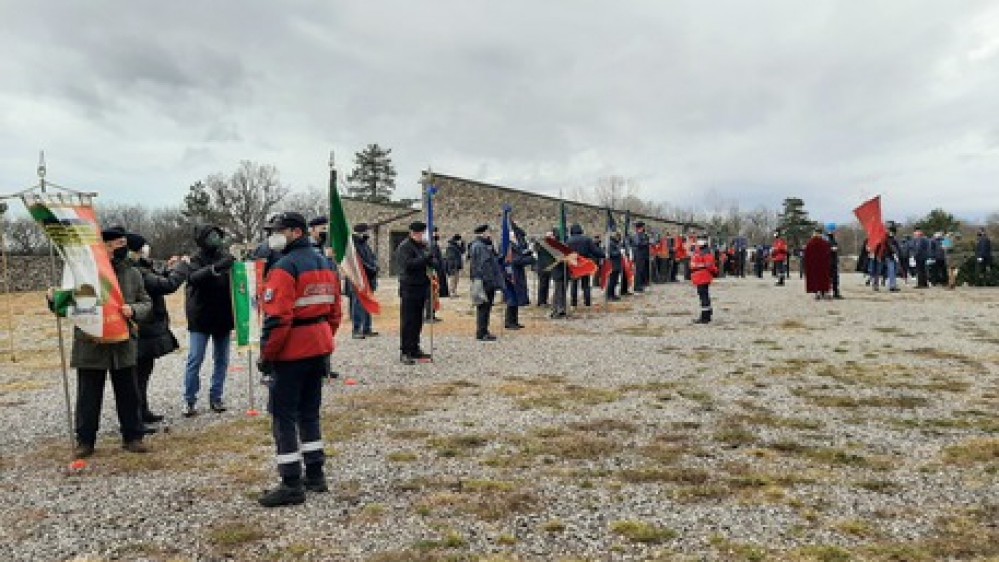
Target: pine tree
(373,176)
(794,222)
(938,220)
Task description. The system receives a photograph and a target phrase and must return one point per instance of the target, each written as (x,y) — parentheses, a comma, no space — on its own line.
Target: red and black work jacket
(301,304)
(779,251)
(702,267)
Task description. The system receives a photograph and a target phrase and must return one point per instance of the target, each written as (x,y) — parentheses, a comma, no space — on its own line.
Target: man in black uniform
(484,268)
(585,247)
(640,253)
(614,256)
(412,259)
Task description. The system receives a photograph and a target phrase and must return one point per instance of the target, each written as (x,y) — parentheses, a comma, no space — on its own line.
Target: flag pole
(6,285)
(427,184)
(42,169)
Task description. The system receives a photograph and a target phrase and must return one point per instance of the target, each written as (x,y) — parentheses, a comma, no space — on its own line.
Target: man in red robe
(818,255)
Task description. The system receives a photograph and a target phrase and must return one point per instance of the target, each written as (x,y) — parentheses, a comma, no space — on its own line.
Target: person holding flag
(302,313)
(516,256)
(360,317)
(612,267)
(93,359)
(640,246)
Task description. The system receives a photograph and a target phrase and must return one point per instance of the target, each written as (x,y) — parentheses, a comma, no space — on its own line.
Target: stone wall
(462,204)
(29,273)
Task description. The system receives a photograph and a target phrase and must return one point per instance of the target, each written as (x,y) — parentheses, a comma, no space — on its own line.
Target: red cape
(818,266)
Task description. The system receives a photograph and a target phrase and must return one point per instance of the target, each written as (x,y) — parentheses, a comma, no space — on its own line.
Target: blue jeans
(891,266)
(360,317)
(196,356)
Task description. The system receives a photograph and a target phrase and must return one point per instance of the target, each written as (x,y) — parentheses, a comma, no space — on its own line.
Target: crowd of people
(302,310)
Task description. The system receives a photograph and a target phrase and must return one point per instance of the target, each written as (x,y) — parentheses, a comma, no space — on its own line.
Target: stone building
(462,204)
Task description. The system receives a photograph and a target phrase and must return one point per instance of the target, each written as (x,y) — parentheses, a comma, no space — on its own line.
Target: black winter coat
(155,337)
(585,247)
(208,297)
(412,260)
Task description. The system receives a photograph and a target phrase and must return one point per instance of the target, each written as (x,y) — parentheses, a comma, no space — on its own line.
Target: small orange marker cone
(77,465)
(252,413)
(350,382)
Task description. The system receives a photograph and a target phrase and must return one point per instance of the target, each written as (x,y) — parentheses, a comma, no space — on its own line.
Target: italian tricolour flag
(346,255)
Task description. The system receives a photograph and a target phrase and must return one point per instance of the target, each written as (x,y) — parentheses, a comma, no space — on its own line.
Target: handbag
(478,292)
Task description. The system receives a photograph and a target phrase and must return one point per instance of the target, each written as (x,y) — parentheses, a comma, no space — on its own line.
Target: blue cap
(830,227)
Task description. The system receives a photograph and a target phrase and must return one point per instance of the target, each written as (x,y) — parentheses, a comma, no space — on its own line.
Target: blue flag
(506,255)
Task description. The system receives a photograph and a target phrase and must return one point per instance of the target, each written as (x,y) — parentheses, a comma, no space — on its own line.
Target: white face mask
(277,241)
(144,252)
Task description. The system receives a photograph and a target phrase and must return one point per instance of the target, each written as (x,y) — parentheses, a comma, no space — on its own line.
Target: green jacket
(90,354)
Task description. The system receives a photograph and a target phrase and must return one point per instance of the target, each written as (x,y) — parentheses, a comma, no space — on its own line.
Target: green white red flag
(346,255)
(89,295)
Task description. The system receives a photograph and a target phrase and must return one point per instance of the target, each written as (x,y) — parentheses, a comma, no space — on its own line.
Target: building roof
(559,200)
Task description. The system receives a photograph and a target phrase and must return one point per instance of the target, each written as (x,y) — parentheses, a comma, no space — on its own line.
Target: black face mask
(365,237)
(321,240)
(119,254)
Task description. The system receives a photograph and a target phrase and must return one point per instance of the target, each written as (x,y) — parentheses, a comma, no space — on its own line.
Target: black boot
(315,480)
(285,494)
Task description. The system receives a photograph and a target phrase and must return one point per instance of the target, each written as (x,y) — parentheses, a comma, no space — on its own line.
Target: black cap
(481,228)
(135,242)
(287,219)
(639,224)
(456,237)
(319,221)
(113,233)
(361,227)
(417,226)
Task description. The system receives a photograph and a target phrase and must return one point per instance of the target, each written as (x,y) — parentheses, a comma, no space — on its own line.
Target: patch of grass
(792,324)
(553,526)
(457,445)
(402,456)
(450,540)
(487,499)
(671,475)
(642,532)
(235,533)
(409,434)
(555,394)
(973,451)
(607,425)
(822,553)
(643,331)
(879,486)
(701,397)
(734,435)
(856,528)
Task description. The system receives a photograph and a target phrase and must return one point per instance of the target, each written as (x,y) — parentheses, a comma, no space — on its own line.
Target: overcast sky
(698,101)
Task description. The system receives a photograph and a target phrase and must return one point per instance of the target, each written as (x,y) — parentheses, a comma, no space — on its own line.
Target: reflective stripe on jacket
(301,304)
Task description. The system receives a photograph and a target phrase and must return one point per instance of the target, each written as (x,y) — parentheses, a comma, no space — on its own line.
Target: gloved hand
(265,367)
(225,264)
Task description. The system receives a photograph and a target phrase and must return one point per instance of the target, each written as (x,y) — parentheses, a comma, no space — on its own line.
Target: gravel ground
(866,428)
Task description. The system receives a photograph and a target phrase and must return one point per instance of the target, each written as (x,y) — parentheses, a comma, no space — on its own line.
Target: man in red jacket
(702,272)
(779,256)
(302,311)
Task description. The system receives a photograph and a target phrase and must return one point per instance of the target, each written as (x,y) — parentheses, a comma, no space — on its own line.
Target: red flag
(578,265)
(605,271)
(869,215)
(629,270)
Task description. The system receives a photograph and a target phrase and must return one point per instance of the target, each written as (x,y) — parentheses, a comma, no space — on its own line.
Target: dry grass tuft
(642,532)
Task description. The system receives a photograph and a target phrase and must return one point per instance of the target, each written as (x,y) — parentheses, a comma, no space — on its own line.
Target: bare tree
(239,203)
(311,202)
(23,236)
(132,217)
(612,191)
